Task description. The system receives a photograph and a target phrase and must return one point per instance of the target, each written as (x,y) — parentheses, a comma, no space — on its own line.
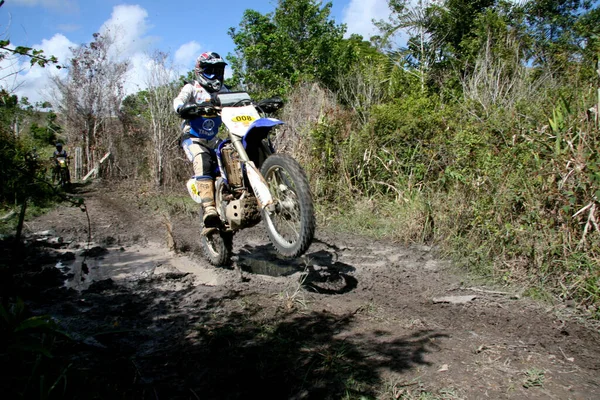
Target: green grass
(401,221)
(534,377)
(170,204)
(415,390)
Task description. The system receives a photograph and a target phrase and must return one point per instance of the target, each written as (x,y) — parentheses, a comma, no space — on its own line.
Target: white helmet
(210,71)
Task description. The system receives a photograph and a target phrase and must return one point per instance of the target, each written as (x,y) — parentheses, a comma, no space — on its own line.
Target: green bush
(512,194)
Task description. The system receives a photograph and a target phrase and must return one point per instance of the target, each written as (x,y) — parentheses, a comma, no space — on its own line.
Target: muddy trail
(143,316)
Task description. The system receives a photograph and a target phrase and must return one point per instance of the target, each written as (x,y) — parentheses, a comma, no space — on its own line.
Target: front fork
(257,181)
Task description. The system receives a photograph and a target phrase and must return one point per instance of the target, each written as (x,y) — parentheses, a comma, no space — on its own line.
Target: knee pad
(202,165)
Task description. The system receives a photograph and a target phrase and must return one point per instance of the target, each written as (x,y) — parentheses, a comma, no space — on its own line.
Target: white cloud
(137,76)
(128,25)
(34,82)
(59,46)
(9,69)
(186,55)
(359,14)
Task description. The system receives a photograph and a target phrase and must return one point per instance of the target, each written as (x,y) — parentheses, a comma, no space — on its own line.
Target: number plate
(238,119)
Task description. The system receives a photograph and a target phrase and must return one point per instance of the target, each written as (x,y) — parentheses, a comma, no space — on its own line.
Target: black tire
(217,247)
(63,178)
(291,227)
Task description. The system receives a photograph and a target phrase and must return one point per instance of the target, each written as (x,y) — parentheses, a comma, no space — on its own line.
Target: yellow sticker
(243,118)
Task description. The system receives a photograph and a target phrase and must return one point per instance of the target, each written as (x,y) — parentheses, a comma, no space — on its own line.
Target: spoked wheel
(217,247)
(217,244)
(291,222)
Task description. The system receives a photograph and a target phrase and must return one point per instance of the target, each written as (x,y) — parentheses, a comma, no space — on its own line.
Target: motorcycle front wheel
(64,178)
(291,222)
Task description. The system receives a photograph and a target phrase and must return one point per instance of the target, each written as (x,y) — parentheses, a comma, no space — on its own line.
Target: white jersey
(205,131)
(193,93)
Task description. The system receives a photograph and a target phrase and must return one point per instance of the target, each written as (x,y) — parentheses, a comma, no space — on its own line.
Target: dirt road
(354,318)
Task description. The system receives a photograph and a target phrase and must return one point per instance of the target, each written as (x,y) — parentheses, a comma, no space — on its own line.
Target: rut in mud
(353,318)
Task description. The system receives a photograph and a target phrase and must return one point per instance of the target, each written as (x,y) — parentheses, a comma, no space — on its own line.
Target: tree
(90,97)
(297,42)
(562,31)
(159,99)
(47,134)
(9,110)
(436,32)
(36,56)
(420,51)
(362,84)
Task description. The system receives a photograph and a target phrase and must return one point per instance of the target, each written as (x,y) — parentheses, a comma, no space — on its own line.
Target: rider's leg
(202,162)
(206,190)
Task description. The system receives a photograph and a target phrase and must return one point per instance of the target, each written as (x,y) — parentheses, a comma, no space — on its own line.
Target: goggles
(213,71)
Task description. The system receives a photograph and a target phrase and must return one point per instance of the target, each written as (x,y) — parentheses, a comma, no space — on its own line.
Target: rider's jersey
(205,127)
(62,153)
(191,93)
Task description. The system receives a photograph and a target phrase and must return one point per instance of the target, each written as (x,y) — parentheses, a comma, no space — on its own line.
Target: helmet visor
(213,71)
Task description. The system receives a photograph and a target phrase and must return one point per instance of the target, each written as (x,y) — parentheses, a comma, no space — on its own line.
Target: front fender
(258,130)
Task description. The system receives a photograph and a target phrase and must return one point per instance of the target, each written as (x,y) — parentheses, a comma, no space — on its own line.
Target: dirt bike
(253,183)
(61,171)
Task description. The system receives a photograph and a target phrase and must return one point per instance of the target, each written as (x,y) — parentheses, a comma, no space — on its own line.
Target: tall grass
(509,190)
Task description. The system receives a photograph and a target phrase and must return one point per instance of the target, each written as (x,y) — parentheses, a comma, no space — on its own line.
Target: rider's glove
(185,110)
(189,111)
(206,107)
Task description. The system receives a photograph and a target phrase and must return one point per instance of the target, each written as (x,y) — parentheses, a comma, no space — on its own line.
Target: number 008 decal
(243,118)
(238,119)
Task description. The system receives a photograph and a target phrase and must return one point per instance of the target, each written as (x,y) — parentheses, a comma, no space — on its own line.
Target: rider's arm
(185,95)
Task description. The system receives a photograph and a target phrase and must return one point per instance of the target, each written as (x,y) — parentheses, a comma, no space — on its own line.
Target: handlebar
(270,105)
(190,111)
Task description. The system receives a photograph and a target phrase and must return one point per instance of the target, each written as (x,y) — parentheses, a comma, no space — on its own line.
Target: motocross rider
(59,152)
(199,143)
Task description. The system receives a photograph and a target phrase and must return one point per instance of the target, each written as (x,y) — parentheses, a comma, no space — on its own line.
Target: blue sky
(183,28)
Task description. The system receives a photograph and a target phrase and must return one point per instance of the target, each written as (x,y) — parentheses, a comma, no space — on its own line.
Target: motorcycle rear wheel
(291,226)
(217,247)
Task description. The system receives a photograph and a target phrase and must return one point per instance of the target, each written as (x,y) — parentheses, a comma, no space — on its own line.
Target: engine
(237,205)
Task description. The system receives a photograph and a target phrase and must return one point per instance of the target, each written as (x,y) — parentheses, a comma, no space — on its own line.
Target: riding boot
(206,190)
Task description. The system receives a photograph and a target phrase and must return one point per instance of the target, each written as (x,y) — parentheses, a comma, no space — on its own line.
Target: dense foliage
(482,132)
(297,42)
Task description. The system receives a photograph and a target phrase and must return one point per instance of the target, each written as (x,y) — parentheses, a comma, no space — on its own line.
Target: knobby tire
(288,184)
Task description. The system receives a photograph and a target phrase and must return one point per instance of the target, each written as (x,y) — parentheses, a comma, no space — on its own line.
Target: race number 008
(243,118)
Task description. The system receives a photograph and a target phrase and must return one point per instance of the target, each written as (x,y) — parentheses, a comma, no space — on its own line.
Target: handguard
(191,111)
(270,105)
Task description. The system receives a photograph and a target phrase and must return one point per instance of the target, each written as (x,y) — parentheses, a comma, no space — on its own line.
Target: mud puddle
(125,264)
(273,268)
